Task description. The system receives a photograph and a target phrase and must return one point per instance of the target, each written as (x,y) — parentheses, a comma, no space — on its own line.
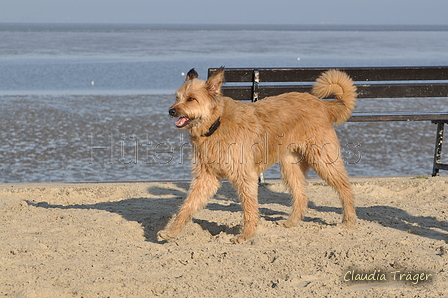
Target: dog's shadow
(150,217)
(154,213)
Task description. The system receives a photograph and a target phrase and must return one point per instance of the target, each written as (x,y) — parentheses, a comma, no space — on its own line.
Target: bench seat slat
(398,116)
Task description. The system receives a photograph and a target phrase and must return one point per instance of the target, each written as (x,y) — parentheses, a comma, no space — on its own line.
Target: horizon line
(221,26)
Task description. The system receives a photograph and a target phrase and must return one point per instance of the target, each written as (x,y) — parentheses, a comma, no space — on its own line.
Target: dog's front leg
(248,193)
(201,190)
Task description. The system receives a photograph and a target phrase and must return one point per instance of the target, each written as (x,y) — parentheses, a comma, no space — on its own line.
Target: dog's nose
(172,112)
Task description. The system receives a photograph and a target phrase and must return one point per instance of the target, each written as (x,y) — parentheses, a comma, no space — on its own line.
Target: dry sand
(99,240)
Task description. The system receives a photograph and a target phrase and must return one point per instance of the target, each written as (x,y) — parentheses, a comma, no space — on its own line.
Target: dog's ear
(192,74)
(214,82)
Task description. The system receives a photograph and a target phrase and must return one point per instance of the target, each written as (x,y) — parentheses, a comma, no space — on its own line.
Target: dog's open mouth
(182,121)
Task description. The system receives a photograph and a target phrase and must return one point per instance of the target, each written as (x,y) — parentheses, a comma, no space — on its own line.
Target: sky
(343,12)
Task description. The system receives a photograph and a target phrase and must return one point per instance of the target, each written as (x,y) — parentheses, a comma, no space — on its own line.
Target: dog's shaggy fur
(239,141)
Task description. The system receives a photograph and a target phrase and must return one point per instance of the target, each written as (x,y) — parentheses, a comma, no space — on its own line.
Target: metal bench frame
(372,82)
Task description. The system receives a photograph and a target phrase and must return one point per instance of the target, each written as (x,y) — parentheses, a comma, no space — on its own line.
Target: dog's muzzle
(182,121)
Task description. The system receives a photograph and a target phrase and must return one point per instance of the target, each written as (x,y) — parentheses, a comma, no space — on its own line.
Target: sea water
(90,102)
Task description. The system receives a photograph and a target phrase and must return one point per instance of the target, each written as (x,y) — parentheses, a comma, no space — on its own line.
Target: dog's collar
(213,128)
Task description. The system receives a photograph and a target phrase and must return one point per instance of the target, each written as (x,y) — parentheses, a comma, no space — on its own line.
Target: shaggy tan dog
(238,141)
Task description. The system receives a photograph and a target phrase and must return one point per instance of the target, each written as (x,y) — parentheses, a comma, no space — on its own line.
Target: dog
(239,141)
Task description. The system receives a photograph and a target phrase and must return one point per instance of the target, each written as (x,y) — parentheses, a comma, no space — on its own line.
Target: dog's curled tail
(339,84)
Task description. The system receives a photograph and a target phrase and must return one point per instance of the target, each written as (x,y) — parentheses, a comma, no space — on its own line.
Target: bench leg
(261,180)
(438,149)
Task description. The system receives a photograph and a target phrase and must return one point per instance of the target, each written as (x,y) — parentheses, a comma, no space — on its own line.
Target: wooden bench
(372,82)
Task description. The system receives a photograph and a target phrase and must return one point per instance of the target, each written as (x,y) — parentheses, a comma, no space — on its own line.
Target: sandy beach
(99,240)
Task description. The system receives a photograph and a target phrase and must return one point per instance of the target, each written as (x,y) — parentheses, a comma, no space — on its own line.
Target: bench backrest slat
(364,91)
(357,74)
(372,82)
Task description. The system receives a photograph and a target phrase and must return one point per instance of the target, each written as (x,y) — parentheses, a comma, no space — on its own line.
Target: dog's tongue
(182,121)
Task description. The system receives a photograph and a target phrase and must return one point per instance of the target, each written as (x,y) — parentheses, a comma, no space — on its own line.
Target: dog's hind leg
(335,175)
(247,189)
(293,172)
(201,190)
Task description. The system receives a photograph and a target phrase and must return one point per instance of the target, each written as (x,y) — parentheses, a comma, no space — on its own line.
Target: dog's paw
(241,238)
(349,222)
(165,235)
(287,223)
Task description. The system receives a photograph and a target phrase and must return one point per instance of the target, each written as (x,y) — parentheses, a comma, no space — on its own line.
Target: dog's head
(197,101)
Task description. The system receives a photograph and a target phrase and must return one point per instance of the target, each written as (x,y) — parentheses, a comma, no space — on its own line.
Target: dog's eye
(191,99)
